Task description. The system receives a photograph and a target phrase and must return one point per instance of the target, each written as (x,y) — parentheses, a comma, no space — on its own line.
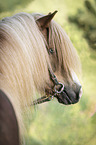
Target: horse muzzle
(69,95)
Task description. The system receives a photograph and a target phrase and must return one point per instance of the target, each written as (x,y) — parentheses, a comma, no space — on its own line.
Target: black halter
(58,89)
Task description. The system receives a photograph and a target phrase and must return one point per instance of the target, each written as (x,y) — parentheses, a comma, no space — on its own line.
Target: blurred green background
(52,123)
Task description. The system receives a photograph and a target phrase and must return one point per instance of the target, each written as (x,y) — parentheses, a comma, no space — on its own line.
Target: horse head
(64,60)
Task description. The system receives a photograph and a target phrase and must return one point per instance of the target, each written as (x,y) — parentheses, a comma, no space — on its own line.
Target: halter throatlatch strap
(58,88)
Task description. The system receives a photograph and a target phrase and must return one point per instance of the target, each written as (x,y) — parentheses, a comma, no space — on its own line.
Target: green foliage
(86,19)
(57,124)
(6,5)
(90,7)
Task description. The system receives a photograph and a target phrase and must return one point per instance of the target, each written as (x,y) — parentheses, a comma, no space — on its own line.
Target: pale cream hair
(24,60)
(66,59)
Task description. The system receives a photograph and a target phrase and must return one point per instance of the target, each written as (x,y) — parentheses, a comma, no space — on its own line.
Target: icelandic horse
(36,58)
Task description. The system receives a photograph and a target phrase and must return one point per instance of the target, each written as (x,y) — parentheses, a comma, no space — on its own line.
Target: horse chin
(67,99)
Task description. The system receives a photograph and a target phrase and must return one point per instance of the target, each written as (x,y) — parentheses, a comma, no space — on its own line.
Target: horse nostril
(80,92)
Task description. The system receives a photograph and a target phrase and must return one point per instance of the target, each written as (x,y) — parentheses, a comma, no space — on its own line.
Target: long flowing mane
(24,60)
(65,51)
(23,55)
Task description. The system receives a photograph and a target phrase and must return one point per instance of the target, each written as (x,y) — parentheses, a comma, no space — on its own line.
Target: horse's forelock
(66,55)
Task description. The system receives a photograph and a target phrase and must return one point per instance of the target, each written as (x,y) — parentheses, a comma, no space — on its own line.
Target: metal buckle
(59,88)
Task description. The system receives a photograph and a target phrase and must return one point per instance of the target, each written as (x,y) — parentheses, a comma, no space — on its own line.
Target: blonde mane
(65,53)
(24,59)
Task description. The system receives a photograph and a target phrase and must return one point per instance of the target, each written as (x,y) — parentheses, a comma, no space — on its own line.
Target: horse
(38,62)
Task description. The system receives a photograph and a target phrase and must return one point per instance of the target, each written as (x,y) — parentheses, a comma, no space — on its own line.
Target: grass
(53,123)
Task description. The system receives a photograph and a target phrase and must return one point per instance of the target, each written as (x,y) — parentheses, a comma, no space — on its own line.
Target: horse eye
(51,51)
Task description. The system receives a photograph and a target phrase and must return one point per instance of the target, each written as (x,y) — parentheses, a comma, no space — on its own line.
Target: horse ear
(44,21)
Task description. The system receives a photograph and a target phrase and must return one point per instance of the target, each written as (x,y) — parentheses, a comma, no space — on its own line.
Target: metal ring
(61,88)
